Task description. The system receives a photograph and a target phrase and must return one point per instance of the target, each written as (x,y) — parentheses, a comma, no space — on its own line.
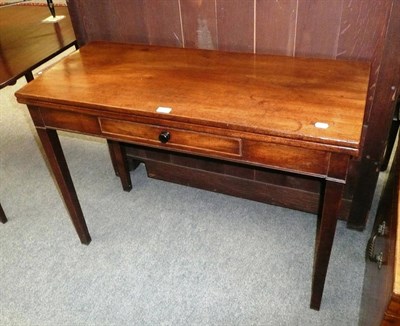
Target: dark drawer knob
(164,136)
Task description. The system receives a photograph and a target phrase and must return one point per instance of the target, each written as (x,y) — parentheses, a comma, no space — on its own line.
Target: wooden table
(26,42)
(299,115)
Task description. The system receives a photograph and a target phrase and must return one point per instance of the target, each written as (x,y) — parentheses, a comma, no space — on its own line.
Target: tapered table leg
(55,156)
(324,241)
(3,218)
(120,163)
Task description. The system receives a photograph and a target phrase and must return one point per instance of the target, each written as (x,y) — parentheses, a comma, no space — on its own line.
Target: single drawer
(159,136)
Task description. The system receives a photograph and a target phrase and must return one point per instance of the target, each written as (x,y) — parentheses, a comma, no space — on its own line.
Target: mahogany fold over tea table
(292,114)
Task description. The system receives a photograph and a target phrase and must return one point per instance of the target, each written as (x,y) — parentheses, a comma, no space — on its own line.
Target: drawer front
(185,140)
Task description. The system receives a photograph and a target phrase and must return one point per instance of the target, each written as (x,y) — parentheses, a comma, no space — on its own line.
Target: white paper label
(321,125)
(163,109)
(52,19)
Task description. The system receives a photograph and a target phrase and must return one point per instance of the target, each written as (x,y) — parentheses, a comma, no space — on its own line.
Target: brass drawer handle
(383,229)
(376,258)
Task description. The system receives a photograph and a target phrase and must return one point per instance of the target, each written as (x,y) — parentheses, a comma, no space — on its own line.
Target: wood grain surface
(269,95)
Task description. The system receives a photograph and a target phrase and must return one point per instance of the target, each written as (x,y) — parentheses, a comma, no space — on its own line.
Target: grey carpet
(162,254)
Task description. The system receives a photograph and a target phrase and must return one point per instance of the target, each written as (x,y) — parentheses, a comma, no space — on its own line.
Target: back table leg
(3,218)
(120,163)
(55,156)
(112,156)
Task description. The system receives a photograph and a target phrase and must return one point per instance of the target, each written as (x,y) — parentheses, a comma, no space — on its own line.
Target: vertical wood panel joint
(216,24)
(295,29)
(255,27)
(339,31)
(181,22)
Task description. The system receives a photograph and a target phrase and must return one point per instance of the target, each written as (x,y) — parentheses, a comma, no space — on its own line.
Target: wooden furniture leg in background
(55,156)
(112,156)
(120,163)
(3,218)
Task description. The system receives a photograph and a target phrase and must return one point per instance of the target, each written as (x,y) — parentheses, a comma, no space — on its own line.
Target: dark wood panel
(383,105)
(194,162)
(163,22)
(276,26)
(235,23)
(118,21)
(363,178)
(239,171)
(199,23)
(363,24)
(127,19)
(95,22)
(75,13)
(362,34)
(258,184)
(263,192)
(318,26)
(288,180)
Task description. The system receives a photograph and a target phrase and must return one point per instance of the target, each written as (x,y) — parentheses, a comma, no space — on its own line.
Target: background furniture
(344,29)
(381,292)
(26,43)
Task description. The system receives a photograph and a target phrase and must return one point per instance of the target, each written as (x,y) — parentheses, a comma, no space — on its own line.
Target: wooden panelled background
(346,29)
(337,29)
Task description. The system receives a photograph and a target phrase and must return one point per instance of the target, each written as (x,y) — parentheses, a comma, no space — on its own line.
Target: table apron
(219,144)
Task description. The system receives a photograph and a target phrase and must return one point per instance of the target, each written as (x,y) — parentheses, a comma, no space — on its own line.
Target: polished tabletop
(26,42)
(314,101)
